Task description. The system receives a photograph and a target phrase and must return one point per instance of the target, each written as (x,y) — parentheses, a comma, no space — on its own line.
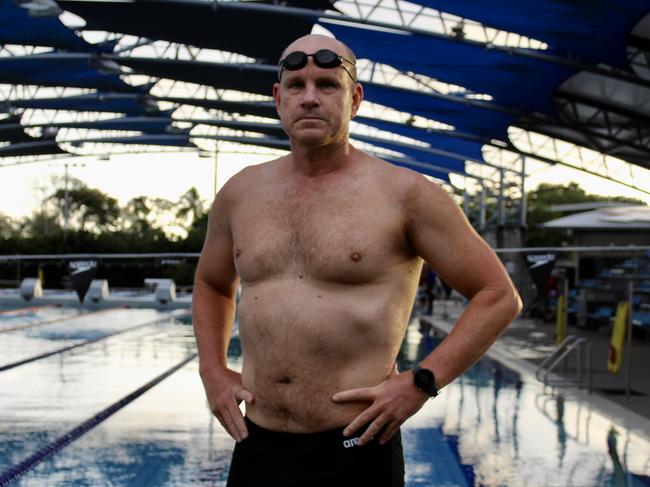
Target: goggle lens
(323,58)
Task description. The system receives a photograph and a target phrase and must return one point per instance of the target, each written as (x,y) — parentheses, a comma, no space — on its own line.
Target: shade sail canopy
(480,118)
(271,129)
(514,81)
(595,30)
(202,24)
(247,77)
(580,87)
(23,27)
(129,104)
(159,140)
(418,166)
(147,125)
(12,131)
(55,69)
(416,153)
(39,148)
(447,140)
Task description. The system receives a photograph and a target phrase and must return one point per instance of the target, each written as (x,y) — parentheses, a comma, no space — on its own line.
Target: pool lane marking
(24,326)
(82,344)
(51,448)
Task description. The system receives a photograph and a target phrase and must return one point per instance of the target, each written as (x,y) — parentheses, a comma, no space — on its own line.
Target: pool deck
(529,342)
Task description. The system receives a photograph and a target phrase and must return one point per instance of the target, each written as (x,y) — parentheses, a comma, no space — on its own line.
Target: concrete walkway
(533,341)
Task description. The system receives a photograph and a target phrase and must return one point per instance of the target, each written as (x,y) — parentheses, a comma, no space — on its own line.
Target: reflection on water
(514,434)
(490,427)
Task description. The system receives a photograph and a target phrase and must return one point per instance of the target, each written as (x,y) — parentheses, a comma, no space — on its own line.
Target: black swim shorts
(325,459)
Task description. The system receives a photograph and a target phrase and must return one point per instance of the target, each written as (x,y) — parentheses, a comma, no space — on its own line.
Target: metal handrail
(564,350)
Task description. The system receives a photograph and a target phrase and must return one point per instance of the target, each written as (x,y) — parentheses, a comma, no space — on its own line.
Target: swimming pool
(491,427)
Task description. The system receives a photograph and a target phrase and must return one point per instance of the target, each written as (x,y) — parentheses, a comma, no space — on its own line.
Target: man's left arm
(439,232)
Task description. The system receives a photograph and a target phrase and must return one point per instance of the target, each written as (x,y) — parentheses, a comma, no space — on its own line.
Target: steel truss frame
(502,179)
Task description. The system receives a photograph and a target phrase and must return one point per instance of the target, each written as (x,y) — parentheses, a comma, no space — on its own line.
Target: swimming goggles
(323,58)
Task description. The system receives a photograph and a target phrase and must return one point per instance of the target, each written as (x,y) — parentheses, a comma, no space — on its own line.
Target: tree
(41,223)
(190,207)
(135,216)
(86,207)
(7,226)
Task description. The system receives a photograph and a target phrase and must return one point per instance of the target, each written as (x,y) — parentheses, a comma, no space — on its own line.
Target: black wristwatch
(424,380)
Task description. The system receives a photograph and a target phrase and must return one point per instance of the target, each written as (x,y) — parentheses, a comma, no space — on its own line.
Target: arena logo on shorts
(351,442)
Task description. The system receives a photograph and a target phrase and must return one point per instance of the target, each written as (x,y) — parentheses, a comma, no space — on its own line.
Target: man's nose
(310,96)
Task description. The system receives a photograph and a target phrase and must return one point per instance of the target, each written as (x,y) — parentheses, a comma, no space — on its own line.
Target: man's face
(316,104)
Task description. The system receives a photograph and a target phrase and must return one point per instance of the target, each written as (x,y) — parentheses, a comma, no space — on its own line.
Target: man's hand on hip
(393,402)
(225,392)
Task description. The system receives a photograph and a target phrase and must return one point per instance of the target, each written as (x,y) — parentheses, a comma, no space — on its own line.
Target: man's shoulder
(401,181)
(249,178)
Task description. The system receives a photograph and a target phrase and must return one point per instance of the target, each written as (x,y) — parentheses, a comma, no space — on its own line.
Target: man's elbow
(511,302)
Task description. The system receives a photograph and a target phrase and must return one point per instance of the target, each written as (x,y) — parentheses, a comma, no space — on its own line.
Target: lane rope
(82,344)
(51,448)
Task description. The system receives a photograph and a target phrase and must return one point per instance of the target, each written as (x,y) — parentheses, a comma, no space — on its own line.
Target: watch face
(425,381)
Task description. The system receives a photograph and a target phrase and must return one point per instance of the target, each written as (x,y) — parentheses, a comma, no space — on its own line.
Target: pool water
(490,427)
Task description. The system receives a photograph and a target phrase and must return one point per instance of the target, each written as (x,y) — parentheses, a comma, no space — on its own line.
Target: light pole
(66,202)
(216,164)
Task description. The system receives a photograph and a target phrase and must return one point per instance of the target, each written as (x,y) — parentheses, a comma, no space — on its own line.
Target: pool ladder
(573,345)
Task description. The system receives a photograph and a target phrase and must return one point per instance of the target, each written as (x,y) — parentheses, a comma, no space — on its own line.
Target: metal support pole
(502,199)
(628,365)
(482,209)
(565,295)
(216,165)
(589,367)
(465,200)
(523,209)
(66,203)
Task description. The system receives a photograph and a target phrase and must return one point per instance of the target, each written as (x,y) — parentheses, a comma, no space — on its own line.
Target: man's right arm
(213,313)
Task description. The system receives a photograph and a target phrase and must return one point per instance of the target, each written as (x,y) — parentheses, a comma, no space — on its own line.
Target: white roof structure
(619,218)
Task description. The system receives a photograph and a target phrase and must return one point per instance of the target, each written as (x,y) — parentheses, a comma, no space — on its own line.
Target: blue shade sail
(248,77)
(174,140)
(17,26)
(37,148)
(59,70)
(413,152)
(148,125)
(12,131)
(270,129)
(128,103)
(480,119)
(258,108)
(418,167)
(447,140)
(595,30)
(228,27)
(513,81)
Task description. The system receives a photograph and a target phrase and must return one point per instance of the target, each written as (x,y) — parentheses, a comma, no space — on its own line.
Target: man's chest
(345,238)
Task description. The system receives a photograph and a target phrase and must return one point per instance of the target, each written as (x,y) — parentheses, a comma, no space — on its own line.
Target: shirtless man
(328,245)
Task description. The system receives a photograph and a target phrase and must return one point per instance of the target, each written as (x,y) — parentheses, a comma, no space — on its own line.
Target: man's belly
(301,345)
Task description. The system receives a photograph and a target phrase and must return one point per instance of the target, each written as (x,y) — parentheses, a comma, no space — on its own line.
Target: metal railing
(581,348)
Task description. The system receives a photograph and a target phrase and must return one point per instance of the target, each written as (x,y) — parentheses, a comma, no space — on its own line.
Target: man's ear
(276,96)
(357,97)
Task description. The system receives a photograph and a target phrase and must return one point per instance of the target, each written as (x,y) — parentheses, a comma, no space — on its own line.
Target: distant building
(620,225)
